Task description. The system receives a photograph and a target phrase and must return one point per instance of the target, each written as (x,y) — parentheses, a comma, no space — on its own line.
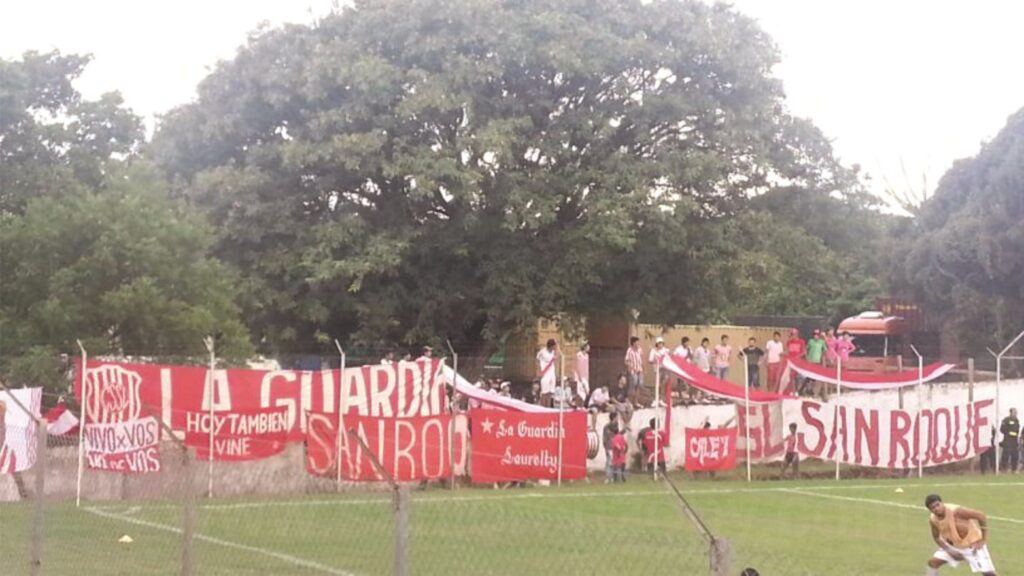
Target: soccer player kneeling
(961,533)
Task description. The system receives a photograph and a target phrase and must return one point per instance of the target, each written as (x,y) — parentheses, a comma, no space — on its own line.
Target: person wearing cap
(506,389)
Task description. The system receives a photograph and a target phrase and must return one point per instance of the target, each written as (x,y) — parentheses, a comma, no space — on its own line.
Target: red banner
(120,391)
(132,446)
(238,436)
(408,449)
(511,446)
(709,449)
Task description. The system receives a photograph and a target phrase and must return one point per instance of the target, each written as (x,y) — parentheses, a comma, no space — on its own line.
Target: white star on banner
(487,425)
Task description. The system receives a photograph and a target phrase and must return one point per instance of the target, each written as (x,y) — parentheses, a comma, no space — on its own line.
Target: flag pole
(839,397)
(657,413)
(341,410)
(920,384)
(746,410)
(561,409)
(210,391)
(999,382)
(81,425)
(451,409)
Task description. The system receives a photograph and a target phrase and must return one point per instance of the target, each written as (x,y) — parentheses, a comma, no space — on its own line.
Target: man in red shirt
(795,348)
(619,448)
(653,457)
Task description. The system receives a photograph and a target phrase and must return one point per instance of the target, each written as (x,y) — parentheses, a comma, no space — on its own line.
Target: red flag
(667,433)
(511,446)
(408,449)
(60,420)
(238,436)
(710,449)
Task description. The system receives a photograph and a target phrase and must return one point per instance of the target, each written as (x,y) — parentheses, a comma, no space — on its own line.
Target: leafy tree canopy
(404,170)
(52,141)
(124,268)
(963,255)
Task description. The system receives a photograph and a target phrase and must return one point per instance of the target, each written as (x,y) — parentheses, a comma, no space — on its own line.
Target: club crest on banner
(113,394)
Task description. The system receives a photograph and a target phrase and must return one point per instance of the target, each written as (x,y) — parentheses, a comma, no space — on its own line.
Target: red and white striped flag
(60,420)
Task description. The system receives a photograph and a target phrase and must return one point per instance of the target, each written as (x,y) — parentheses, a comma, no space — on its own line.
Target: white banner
(130,446)
(18,429)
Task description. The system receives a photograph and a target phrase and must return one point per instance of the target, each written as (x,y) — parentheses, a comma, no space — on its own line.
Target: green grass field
(782,528)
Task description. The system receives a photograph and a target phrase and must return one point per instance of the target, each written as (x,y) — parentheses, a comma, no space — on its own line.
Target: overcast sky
(896,82)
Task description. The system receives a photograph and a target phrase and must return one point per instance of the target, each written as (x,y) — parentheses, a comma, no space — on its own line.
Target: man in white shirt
(546,372)
(659,350)
(581,371)
(683,350)
(773,349)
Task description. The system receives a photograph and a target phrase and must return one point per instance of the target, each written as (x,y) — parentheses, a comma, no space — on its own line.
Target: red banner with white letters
(710,449)
(119,391)
(510,446)
(408,449)
(238,436)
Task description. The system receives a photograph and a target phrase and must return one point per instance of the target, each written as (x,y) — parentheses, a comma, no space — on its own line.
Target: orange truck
(881,341)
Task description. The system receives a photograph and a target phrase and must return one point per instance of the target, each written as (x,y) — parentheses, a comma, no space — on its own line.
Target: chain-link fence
(282,514)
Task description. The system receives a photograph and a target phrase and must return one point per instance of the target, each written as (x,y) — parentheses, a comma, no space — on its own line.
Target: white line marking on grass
(226,543)
(560,495)
(802,492)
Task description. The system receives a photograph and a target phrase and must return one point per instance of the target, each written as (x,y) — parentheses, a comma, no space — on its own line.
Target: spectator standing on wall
(581,371)
(830,347)
(634,362)
(1010,429)
(815,354)
(753,356)
(723,355)
(683,350)
(702,356)
(658,352)
(546,372)
(774,350)
(608,434)
(795,348)
(619,449)
(845,347)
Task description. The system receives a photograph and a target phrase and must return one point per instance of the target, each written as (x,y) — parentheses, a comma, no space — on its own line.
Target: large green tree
(52,141)
(125,269)
(91,245)
(409,169)
(963,253)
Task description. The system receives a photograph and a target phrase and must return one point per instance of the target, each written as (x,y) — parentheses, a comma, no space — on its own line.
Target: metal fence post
(188,524)
(40,498)
(401,530)
(721,557)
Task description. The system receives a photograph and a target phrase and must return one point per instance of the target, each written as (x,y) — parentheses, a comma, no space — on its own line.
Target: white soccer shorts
(979,560)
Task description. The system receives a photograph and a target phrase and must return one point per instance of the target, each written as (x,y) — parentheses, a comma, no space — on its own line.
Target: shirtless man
(961,533)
